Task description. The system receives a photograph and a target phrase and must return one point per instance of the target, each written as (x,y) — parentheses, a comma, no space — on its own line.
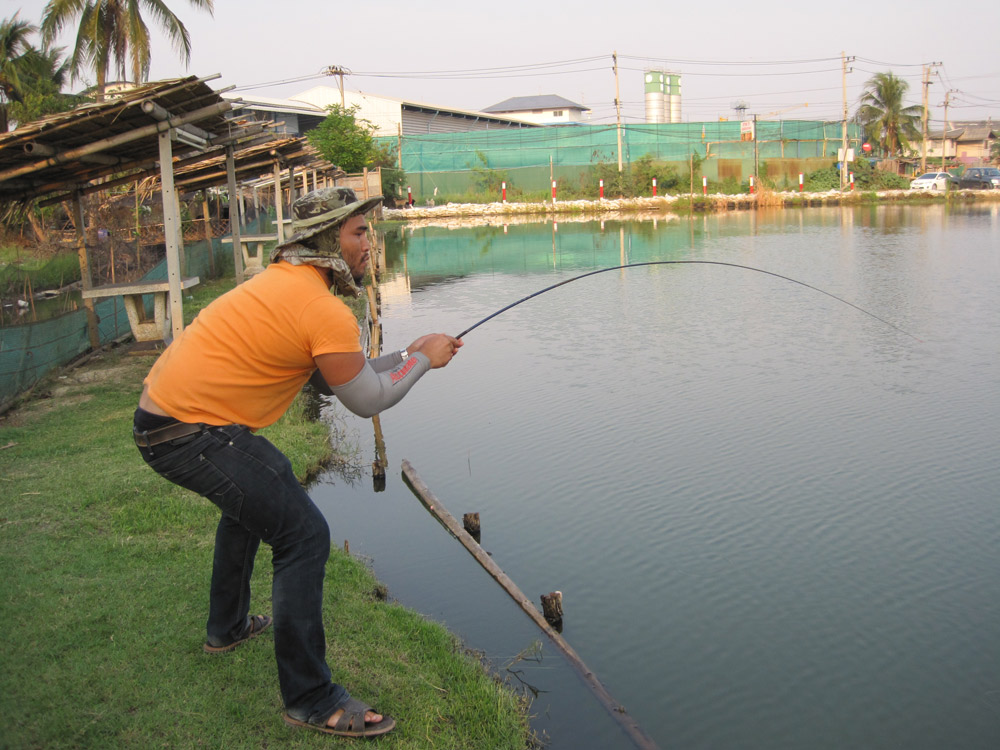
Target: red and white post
(602,189)
(801,182)
(654,187)
(704,185)
(553,192)
(409,196)
(852,179)
(504,188)
(751,184)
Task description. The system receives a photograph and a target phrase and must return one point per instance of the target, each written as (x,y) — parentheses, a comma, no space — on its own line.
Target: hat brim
(336,218)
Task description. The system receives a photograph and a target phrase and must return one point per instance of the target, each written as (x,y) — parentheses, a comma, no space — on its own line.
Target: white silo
(657,107)
(673,97)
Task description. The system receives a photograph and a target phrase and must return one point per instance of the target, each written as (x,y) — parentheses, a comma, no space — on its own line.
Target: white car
(934,181)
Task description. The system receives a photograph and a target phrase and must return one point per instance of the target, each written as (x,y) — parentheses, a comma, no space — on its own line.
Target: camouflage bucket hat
(324,209)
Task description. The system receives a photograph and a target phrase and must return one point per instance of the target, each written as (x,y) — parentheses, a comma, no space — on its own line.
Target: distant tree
(345,140)
(349,143)
(113,33)
(14,45)
(885,118)
(45,73)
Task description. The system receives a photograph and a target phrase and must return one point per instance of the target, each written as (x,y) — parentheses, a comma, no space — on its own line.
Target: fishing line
(678,262)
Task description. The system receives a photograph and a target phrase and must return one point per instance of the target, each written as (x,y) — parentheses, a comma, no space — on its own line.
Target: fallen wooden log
(617,710)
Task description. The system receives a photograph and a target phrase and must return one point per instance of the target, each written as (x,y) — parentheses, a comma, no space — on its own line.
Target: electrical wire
(681,61)
(633,109)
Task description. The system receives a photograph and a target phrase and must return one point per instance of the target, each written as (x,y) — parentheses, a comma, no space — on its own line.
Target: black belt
(175,431)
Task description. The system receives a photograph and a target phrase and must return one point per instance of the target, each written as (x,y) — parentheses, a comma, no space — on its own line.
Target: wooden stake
(613,707)
(552,609)
(471,523)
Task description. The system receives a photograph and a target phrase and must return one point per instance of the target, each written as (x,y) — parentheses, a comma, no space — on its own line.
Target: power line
(679,61)
(472,76)
(755,74)
(504,68)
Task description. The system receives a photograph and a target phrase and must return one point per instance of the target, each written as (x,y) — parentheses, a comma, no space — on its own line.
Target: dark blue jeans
(253,485)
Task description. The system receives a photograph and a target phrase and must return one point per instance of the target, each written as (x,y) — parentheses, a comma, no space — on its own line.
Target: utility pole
(944,130)
(618,110)
(926,85)
(843,130)
(340,72)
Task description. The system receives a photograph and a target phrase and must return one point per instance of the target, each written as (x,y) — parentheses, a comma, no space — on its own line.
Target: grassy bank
(106,570)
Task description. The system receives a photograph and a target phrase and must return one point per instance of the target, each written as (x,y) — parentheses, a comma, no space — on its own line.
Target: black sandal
(258,624)
(351,723)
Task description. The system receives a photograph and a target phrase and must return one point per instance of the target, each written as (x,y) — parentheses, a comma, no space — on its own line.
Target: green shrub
(822,180)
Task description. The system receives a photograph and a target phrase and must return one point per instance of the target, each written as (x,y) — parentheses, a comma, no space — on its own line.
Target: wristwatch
(404,354)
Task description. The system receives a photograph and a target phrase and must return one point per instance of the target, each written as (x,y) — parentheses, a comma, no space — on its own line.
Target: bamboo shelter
(179,135)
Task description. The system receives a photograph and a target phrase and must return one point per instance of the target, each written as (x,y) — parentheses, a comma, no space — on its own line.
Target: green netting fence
(455,163)
(30,350)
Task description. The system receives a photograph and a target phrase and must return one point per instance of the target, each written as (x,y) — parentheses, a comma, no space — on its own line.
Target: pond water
(774,519)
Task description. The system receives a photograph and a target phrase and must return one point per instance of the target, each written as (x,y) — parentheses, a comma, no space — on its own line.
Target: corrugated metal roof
(525,103)
(977,133)
(118,140)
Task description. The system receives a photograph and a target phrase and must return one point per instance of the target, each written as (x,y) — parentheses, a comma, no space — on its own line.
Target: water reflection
(771,516)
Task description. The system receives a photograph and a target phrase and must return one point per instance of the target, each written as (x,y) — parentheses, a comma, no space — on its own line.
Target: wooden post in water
(613,707)
(552,609)
(374,347)
(471,523)
(381,460)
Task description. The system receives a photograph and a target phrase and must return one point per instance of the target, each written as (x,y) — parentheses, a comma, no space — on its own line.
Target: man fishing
(237,368)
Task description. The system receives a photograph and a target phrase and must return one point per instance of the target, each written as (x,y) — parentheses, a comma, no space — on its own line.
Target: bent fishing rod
(683,262)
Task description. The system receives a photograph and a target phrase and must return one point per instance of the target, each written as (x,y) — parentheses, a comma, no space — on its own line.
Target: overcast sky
(469,55)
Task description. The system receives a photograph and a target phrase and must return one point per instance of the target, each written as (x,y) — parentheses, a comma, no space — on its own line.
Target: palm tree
(14,45)
(113,33)
(883,115)
(43,73)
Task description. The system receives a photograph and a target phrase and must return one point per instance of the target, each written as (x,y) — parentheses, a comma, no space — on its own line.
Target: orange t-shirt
(248,353)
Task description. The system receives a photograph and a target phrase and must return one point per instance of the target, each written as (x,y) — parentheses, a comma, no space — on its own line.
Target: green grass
(106,570)
(41,273)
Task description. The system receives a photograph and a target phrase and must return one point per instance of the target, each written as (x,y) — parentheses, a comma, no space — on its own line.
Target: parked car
(934,181)
(980,178)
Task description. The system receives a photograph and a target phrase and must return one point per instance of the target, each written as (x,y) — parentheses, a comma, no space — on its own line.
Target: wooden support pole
(170,221)
(279,211)
(207,216)
(234,215)
(85,279)
(613,707)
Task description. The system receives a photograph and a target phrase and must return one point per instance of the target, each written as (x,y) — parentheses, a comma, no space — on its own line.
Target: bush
(636,179)
(867,177)
(822,180)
